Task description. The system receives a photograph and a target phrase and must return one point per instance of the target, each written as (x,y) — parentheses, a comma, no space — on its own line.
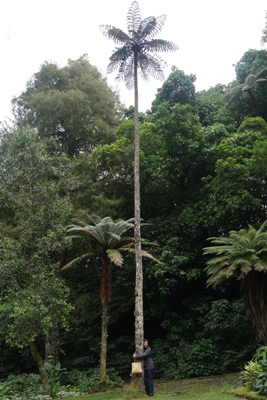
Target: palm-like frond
(152,65)
(116,34)
(115,257)
(108,235)
(262,73)
(75,261)
(239,254)
(133,17)
(247,87)
(139,43)
(150,27)
(129,248)
(159,45)
(105,232)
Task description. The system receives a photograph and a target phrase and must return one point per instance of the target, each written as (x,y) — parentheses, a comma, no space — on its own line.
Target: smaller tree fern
(243,256)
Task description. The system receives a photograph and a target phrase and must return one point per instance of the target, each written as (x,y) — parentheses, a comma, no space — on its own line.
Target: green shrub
(20,387)
(88,380)
(255,371)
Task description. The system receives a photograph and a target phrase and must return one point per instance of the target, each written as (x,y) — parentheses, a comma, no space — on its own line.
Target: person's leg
(150,383)
(146,381)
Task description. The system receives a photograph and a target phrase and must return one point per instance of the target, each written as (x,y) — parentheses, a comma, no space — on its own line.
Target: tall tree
(32,241)
(72,105)
(243,255)
(137,54)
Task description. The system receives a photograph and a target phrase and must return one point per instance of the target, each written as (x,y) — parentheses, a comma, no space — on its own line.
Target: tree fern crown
(240,253)
(138,47)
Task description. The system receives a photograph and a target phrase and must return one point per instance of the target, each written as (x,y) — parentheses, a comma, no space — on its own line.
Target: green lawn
(204,388)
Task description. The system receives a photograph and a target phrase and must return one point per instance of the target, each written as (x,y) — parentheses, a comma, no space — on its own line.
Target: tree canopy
(72,105)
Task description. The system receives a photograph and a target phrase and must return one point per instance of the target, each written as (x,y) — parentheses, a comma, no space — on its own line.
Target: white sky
(212,35)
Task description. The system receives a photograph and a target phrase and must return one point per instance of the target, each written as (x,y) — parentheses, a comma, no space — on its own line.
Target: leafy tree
(236,185)
(242,255)
(34,299)
(178,88)
(251,62)
(72,105)
(212,108)
(248,93)
(115,173)
(136,54)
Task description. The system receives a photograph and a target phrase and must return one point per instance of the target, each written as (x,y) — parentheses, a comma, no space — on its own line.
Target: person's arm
(143,355)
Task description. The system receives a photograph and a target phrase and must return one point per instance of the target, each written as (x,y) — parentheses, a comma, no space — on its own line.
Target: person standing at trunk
(148,368)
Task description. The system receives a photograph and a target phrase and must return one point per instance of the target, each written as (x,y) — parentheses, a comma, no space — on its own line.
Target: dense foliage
(70,155)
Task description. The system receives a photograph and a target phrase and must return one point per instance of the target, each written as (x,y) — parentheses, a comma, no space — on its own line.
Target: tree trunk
(139,319)
(255,105)
(105,293)
(104,337)
(41,368)
(255,298)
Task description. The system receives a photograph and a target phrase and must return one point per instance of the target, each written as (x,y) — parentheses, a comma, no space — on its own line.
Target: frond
(222,275)
(122,60)
(88,231)
(133,17)
(151,65)
(129,247)
(159,45)
(116,34)
(263,227)
(139,39)
(75,261)
(115,257)
(117,60)
(106,232)
(242,251)
(148,255)
(128,73)
(260,266)
(250,81)
(150,27)
(262,73)
(259,80)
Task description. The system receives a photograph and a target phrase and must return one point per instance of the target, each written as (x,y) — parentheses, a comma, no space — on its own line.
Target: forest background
(68,157)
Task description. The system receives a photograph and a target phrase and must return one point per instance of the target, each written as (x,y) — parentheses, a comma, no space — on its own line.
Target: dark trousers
(148,381)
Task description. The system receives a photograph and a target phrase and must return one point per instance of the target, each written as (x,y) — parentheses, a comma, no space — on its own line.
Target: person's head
(146,344)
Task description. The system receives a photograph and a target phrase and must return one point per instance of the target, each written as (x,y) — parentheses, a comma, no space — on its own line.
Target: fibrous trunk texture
(139,320)
(255,298)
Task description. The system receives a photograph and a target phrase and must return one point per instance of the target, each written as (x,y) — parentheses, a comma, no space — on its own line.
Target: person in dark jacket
(148,368)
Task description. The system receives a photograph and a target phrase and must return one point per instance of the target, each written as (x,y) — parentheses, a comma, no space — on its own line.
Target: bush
(255,372)
(188,360)
(62,383)
(88,380)
(24,386)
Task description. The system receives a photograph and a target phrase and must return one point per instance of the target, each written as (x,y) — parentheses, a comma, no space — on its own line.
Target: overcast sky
(212,36)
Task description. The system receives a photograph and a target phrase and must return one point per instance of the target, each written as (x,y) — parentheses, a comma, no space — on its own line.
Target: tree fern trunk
(255,297)
(139,319)
(104,337)
(105,293)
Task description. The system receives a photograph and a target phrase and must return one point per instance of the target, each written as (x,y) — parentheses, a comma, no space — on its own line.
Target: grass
(203,388)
